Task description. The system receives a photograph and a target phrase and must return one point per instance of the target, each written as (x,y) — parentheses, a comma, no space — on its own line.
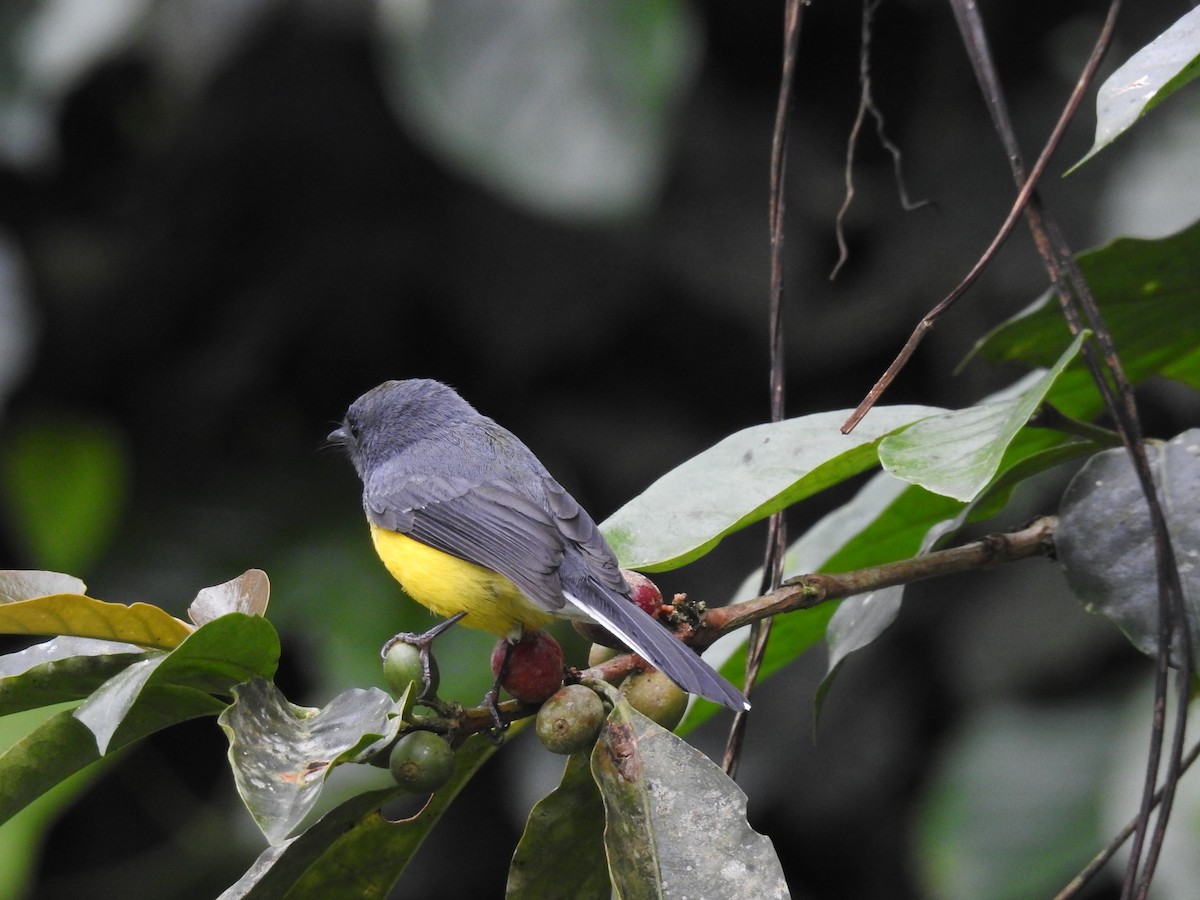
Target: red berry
(535,666)
(643,592)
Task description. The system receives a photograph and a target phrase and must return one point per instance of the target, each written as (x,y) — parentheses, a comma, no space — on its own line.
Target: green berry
(656,696)
(402,672)
(421,762)
(570,720)
(601,654)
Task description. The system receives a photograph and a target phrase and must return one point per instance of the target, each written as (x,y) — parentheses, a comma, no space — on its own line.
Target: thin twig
(1088,872)
(1071,288)
(866,104)
(777,532)
(1019,204)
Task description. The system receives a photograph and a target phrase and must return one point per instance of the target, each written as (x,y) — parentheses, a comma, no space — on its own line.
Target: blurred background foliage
(222,220)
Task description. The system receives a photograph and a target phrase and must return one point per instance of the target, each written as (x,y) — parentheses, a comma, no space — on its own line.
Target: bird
(471,524)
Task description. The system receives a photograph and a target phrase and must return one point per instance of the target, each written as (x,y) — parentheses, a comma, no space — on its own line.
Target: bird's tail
(658,646)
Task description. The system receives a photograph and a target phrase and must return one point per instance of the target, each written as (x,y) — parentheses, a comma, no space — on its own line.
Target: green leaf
(214,658)
(81,616)
(564,108)
(561,853)
(958,453)
(353,850)
(63,745)
(22,837)
(63,669)
(1106,545)
(1147,291)
(66,482)
(674,819)
(886,521)
(1146,79)
(27,584)
(248,593)
(744,479)
(281,753)
(46,756)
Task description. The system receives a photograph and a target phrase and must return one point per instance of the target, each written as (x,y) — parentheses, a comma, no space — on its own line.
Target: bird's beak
(337,436)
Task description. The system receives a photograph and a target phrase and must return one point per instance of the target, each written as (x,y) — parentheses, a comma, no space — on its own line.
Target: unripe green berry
(570,720)
(656,696)
(601,654)
(421,762)
(402,668)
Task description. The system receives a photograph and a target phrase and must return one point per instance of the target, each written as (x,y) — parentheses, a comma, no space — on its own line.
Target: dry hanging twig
(776,532)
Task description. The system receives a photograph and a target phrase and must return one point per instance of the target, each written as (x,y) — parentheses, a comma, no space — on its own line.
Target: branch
(801,592)
(807,591)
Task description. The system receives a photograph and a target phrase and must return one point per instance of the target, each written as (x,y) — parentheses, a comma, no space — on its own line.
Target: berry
(421,762)
(402,667)
(597,634)
(656,696)
(643,592)
(570,720)
(601,653)
(535,666)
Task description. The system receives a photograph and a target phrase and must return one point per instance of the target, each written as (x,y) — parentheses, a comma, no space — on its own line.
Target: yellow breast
(449,585)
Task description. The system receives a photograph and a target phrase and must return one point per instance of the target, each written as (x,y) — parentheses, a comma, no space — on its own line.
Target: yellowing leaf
(75,614)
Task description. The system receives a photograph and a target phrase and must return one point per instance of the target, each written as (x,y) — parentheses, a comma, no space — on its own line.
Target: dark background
(214,275)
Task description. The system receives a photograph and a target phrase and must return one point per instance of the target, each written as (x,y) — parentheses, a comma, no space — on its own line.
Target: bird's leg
(424,643)
(491,700)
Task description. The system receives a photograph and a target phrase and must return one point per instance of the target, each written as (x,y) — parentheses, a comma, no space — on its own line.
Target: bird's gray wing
(484,522)
(584,535)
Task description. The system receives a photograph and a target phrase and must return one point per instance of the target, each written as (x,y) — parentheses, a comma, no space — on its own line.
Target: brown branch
(802,592)
(807,591)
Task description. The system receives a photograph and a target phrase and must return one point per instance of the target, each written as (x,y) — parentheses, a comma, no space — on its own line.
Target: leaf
(1146,79)
(744,479)
(27,584)
(248,593)
(1146,290)
(66,481)
(63,745)
(564,108)
(214,658)
(1106,546)
(63,669)
(46,756)
(81,616)
(886,521)
(561,853)
(281,753)
(675,823)
(353,850)
(958,453)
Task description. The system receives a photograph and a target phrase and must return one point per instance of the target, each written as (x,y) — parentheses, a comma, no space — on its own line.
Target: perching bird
(468,520)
